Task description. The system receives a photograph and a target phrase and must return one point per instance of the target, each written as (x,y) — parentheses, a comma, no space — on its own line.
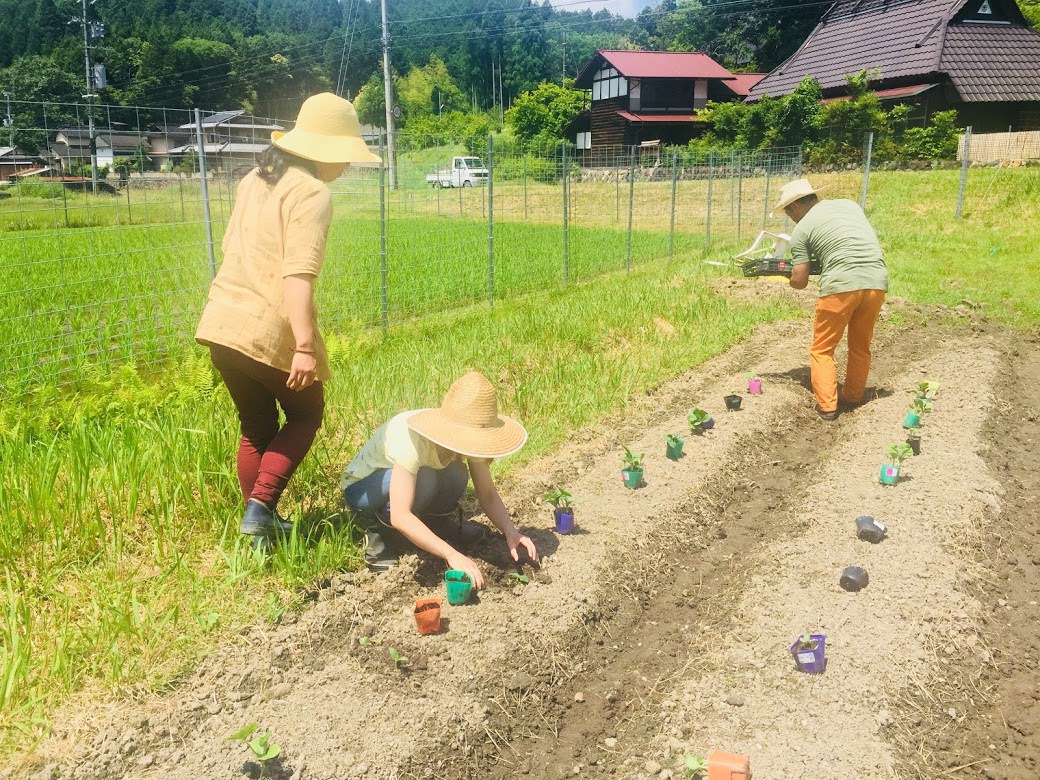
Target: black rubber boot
(380,542)
(461,534)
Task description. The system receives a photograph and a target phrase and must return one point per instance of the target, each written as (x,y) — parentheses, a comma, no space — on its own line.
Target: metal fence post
(617,188)
(384,303)
(631,198)
(868,152)
(671,232)
(491,219)
(711,182)
(765,203)
(740,191)
(964,172)
(523,160)
(566,220)
(200,141)
(732,187)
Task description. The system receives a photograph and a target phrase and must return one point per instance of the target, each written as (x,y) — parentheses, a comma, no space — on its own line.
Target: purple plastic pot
(811,661)
(564,517)
(708,424)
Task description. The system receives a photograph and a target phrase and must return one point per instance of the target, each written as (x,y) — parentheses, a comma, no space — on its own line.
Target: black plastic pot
(870,530)
(853,579)
(915,445)
(733,402)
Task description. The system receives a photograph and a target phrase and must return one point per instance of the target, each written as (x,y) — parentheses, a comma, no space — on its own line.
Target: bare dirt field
(661,628)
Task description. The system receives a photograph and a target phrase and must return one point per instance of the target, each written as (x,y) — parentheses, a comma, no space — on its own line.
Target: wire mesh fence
(111,220)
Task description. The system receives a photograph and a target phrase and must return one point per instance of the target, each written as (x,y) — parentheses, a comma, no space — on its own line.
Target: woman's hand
(301,374)
(457,560)
(515,539)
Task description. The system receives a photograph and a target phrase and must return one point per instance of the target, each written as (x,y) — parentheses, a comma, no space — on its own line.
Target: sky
(627,8)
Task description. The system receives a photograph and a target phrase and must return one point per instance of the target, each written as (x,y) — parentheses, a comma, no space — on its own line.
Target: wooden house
(979,57)
(646,96)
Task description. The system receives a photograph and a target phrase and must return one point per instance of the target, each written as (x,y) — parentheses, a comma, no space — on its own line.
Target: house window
(584,140)
(608,83)
(664,94)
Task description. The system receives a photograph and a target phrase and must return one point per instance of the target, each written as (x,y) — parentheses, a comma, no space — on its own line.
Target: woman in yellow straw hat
(410,475)
(259,322)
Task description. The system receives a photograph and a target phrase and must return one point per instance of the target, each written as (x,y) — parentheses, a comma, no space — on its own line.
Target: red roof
(633,117)
(889,94)
(743,82)
(655,64)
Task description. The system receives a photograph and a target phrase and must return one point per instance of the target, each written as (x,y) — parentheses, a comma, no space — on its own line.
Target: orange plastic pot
(728,766)
(428,615)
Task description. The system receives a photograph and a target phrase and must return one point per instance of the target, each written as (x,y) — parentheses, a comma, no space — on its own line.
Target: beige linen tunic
(275,231)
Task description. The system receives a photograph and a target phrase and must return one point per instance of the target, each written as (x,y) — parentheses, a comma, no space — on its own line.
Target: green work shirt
(837,233)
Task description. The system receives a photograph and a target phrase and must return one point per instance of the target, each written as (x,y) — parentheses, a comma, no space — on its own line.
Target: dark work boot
(380,542)
(461,534)
(260,521)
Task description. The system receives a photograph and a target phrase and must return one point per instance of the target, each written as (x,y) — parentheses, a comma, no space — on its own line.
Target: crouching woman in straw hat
(259,322)
(410,475)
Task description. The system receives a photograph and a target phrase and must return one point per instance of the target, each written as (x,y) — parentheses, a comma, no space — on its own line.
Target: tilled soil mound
(661,627)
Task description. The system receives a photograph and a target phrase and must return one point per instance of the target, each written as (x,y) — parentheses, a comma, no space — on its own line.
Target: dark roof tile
(992,62)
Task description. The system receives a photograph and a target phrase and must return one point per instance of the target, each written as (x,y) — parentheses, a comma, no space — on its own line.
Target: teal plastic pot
(632,478)
(674,451)
(912,420)
(889,475)
(459,586)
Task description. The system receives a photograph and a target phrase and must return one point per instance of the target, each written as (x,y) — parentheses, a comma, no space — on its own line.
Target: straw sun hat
(468,422)
(795,190)
(327,131)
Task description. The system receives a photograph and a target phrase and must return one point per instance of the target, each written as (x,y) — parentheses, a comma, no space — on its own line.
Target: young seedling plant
(920,405)
(806,642)
(560,498)
(695,767)
(899,452)
(696,419)
(398,659)
(927,390)
(515,578)
(632,461)
(673,439)
(261,745)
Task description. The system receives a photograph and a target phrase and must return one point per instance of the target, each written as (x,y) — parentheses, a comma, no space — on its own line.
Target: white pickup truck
(464,172)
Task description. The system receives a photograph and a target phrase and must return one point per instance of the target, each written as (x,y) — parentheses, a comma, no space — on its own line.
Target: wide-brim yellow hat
(795,190)
(327,131)
(468,422)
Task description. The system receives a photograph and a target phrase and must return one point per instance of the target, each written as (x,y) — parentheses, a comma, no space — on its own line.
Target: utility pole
(92,135)
(563,76)
(501,94)
(388,97)
(10,119)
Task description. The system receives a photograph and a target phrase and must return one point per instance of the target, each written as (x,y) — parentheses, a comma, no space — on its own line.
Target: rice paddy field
(117,488)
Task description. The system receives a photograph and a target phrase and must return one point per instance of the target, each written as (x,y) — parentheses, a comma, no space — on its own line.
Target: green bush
(31,187)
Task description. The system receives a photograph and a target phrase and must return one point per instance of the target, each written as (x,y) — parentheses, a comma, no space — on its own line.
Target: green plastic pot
(674,451)
(912,420)
(632,478)
(459,586)
(889,474)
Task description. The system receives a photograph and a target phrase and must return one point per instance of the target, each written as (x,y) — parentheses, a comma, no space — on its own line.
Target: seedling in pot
(917,407)
(632,468)
(673,446)
(809,652)
(897,453)
(920,405)
(262,746)
(927,390)
(695,766)
(398,659)
(697,419)
(563,509)
(913,440)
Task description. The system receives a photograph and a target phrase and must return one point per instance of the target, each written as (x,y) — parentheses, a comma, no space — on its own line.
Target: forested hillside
(266,55)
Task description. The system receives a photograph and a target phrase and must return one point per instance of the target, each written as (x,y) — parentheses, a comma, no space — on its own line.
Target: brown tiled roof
(901,37)
(654,64)
(917,41)
(992,62)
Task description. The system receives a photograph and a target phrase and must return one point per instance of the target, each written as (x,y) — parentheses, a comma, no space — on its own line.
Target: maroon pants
(268,455)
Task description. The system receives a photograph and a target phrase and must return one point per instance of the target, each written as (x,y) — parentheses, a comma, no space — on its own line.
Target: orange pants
(858,310)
